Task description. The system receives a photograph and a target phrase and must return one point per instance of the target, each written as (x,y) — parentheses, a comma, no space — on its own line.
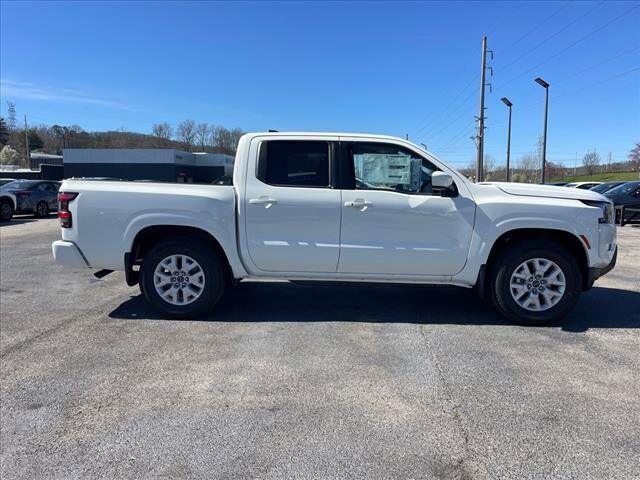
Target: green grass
(600,177)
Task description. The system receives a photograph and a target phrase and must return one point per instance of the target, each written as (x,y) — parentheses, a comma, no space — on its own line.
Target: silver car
(34,196)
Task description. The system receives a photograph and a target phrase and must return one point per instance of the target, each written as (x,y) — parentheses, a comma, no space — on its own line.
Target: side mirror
(443,185)
(441,180)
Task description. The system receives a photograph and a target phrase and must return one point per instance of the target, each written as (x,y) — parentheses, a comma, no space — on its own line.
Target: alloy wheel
(537,284)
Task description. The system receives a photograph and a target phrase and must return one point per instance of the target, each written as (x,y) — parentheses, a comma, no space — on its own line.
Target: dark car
(557,184)
(35,196)
(605,187)
(223,180)
(626,194)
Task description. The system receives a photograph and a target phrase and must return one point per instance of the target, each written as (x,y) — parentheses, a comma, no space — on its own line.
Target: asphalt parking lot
(292,381)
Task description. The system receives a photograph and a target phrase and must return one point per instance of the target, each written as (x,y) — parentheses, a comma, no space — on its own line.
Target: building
(159,164)
(38,158)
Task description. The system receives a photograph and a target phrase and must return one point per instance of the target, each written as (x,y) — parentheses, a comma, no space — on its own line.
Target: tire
(177,302)
(6,210)
(553,301)
(42,210)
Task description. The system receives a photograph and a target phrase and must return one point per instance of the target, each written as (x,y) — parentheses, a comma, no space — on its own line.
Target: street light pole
(506,101)
(545,85)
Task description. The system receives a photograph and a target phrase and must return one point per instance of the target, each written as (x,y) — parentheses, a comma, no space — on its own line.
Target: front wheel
(535,283)
(182,278)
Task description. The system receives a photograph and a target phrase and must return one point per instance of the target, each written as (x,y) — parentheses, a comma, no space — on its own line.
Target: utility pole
(26,142)
(480,137)
(406,136)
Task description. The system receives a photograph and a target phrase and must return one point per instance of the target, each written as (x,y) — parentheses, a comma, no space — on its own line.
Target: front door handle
(263,200)
(358,203)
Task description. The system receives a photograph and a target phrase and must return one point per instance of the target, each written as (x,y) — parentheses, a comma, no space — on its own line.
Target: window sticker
(393,171)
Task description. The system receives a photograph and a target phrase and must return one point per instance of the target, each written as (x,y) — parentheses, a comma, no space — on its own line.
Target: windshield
(624,188)
(604,187)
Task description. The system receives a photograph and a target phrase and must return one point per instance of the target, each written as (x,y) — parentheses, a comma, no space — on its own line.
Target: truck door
(393,223)
(292,213)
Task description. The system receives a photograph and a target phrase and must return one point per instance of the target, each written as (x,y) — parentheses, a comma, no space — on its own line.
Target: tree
(634,157)
(163,130)
(8,156)
(4,132)
(528,169)
(187,134)
(202,134)
(591,160)
(35,142)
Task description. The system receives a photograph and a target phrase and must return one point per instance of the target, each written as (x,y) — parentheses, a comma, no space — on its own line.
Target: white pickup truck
(341,207)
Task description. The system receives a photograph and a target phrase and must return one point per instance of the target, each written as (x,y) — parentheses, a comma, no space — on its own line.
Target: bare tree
(187,133)
(591,160)
(202,134)
(634,157)
(528,169)
(163,130)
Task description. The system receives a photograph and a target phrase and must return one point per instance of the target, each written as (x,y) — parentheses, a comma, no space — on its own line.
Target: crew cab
(341,207)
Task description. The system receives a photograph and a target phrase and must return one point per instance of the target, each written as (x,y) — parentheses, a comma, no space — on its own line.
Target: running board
(102,273)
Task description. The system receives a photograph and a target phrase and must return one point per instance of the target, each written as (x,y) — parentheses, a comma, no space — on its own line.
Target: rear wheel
(42,209)
(6,210)
(182,278)
(535,283)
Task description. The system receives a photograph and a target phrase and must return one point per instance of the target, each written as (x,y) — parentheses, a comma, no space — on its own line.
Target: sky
(389,68)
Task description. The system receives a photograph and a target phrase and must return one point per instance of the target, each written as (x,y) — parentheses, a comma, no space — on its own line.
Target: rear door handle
(358,203)
(263,200)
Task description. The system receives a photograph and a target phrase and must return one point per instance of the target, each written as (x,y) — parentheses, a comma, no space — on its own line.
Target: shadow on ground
(288,302)
(21,220)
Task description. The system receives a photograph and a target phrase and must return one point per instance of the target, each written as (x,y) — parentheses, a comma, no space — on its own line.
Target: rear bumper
(68,255)
(597,272)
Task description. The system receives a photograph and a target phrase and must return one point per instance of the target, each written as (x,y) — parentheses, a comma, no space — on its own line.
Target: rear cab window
(292,163)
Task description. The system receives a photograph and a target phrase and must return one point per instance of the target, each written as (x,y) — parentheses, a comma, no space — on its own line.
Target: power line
(529,51)
(535,29)
(433,119)
(581,39)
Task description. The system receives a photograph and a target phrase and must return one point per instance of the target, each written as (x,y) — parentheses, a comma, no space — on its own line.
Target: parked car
(295,211)
(606,186)
(626,194)
(34,196)
(557,184)
(7,200)
(582,185)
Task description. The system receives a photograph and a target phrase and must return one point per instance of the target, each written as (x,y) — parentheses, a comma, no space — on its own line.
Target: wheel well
(148,237)
(561,237)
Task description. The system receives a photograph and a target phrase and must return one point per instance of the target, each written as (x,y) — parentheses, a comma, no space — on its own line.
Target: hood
(550,191)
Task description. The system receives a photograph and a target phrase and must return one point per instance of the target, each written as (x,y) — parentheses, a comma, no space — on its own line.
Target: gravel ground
(302,381)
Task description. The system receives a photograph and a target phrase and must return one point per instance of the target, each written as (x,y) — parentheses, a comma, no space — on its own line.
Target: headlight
(607,215)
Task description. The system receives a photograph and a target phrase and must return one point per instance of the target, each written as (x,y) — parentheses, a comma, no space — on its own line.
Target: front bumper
(597,272)
(68,255)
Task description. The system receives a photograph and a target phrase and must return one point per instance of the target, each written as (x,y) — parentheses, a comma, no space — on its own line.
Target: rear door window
(294,163)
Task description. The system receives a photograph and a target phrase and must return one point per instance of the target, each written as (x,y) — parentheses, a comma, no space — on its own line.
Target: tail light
(22,194)
(64,198)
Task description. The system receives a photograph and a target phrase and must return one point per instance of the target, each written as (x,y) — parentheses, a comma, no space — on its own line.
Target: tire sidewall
(9,216)
(505,302)
(210,264)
